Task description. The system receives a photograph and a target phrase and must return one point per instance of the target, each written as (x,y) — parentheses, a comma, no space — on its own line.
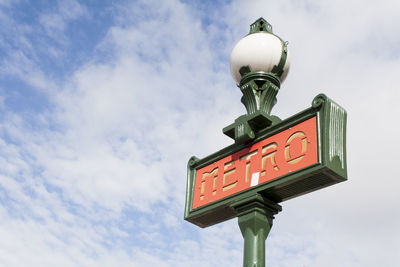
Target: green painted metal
(330,169)
(260,25)
(255,216)
(278,69)
(259,96)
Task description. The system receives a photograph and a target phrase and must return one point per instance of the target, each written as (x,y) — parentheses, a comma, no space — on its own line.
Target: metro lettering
(273,157)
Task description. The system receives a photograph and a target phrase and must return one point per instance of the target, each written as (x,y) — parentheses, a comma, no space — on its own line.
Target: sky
(102,103)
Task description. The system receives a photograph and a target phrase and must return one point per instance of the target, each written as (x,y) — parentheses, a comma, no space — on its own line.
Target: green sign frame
(331,166)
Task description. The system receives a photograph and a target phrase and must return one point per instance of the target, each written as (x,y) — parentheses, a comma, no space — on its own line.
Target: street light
(260,51)
(272,160)
(259,64)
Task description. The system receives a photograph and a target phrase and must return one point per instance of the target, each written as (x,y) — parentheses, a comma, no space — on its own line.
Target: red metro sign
(301,154)
(278,155)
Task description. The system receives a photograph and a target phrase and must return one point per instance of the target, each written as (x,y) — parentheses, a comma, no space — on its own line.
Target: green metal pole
(255,216)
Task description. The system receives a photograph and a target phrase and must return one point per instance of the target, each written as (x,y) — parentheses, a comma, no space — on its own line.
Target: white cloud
(119,144)
(99,178)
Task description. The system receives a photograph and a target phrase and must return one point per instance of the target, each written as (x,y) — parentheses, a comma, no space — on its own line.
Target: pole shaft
(255,216)
(255,228)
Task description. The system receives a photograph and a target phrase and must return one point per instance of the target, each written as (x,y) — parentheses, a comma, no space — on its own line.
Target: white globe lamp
(260,51)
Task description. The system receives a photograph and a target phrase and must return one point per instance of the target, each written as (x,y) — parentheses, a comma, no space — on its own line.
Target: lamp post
(271,160)
(259,64)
